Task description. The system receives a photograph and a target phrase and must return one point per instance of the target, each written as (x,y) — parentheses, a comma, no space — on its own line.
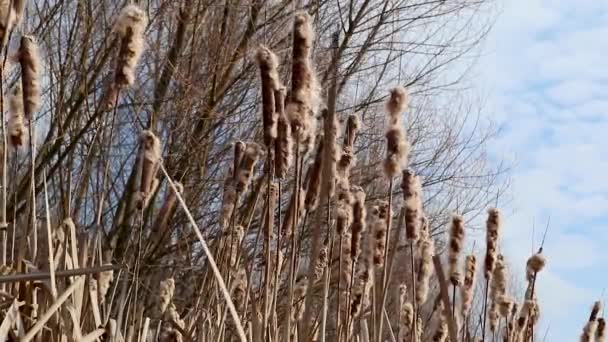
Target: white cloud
(549,87)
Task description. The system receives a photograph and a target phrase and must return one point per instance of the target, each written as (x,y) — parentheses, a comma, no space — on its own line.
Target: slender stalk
(385,274)
(294,236)
(277,265)
(216,271)
(485,307)
(414,302)
(327,270)
(268,231)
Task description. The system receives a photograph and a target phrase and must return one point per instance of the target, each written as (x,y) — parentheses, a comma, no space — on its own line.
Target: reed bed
(302,252)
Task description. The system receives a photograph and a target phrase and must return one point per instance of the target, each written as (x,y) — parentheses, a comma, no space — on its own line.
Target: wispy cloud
(548,84)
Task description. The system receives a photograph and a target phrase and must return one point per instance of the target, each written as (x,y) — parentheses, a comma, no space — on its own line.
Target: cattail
(7,20)
(522,321)
(268,63)
(167,289)
(590,329)
(425,270)
(441,332)
(30,75)
(498,288)
(236,238)
(358,225)
(16,125)
(344,210)
(18,9)
(104,279)
(130,26)
(346,262)
(313,179)
(534,265)
(363,282)
(397,147)
(456,244)
(149,158)
(331,154)
(244,173)
(299,293)
(380,213)
(287,225)
(347,158)
(229,200)
(492,231)
(505,305)
(284,141)
(468,287)
(167,209)
(406,315)
(304,99)
(410,186)
(169,333)
(322,262)
(239,152)
(600,333)
(239,288)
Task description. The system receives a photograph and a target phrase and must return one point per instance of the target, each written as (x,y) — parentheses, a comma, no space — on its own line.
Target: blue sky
(545,75)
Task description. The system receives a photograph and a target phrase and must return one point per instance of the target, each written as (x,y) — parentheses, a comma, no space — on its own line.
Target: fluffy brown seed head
(304,100)
(244,173)
(150,154)
(492,231)
(331,155)
(16,125)
(30,75)
(344,207)
(380,213)
(397,103)
(455,248)
(313,179)
(7,20)
(166,291)
(597,307)
(505,305)
(600,334)
(130,26)
(358,225)
(534,265)
(412,191)
(498,286)
(239,151)
(397,147)
(425,270)
(18,10)
(284,141)
(268,64)
(470,272)
(353,124)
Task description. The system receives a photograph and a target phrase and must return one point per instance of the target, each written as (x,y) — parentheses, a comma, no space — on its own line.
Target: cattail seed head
(470,271)
(397,147)
(284,141)
(239,151)
(455,248)
(534,265)
(18,10)
(359,221)
(7,20)
(304,100)
(30,75)
(268,64)
(16,125)
(412,194)
(331,155)
(130,26)
(425,270)
(380,213)
(148,162)
(406,314)
(167,289)
(344,208)
(498,286)
(244,173)
(492,231)
(600,333)
(505,305)
(313,179)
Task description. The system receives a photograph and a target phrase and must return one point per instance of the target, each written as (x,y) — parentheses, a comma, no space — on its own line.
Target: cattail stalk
(455,248)
(492,231)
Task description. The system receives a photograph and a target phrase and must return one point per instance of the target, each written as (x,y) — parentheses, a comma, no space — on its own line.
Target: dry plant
(166,177)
